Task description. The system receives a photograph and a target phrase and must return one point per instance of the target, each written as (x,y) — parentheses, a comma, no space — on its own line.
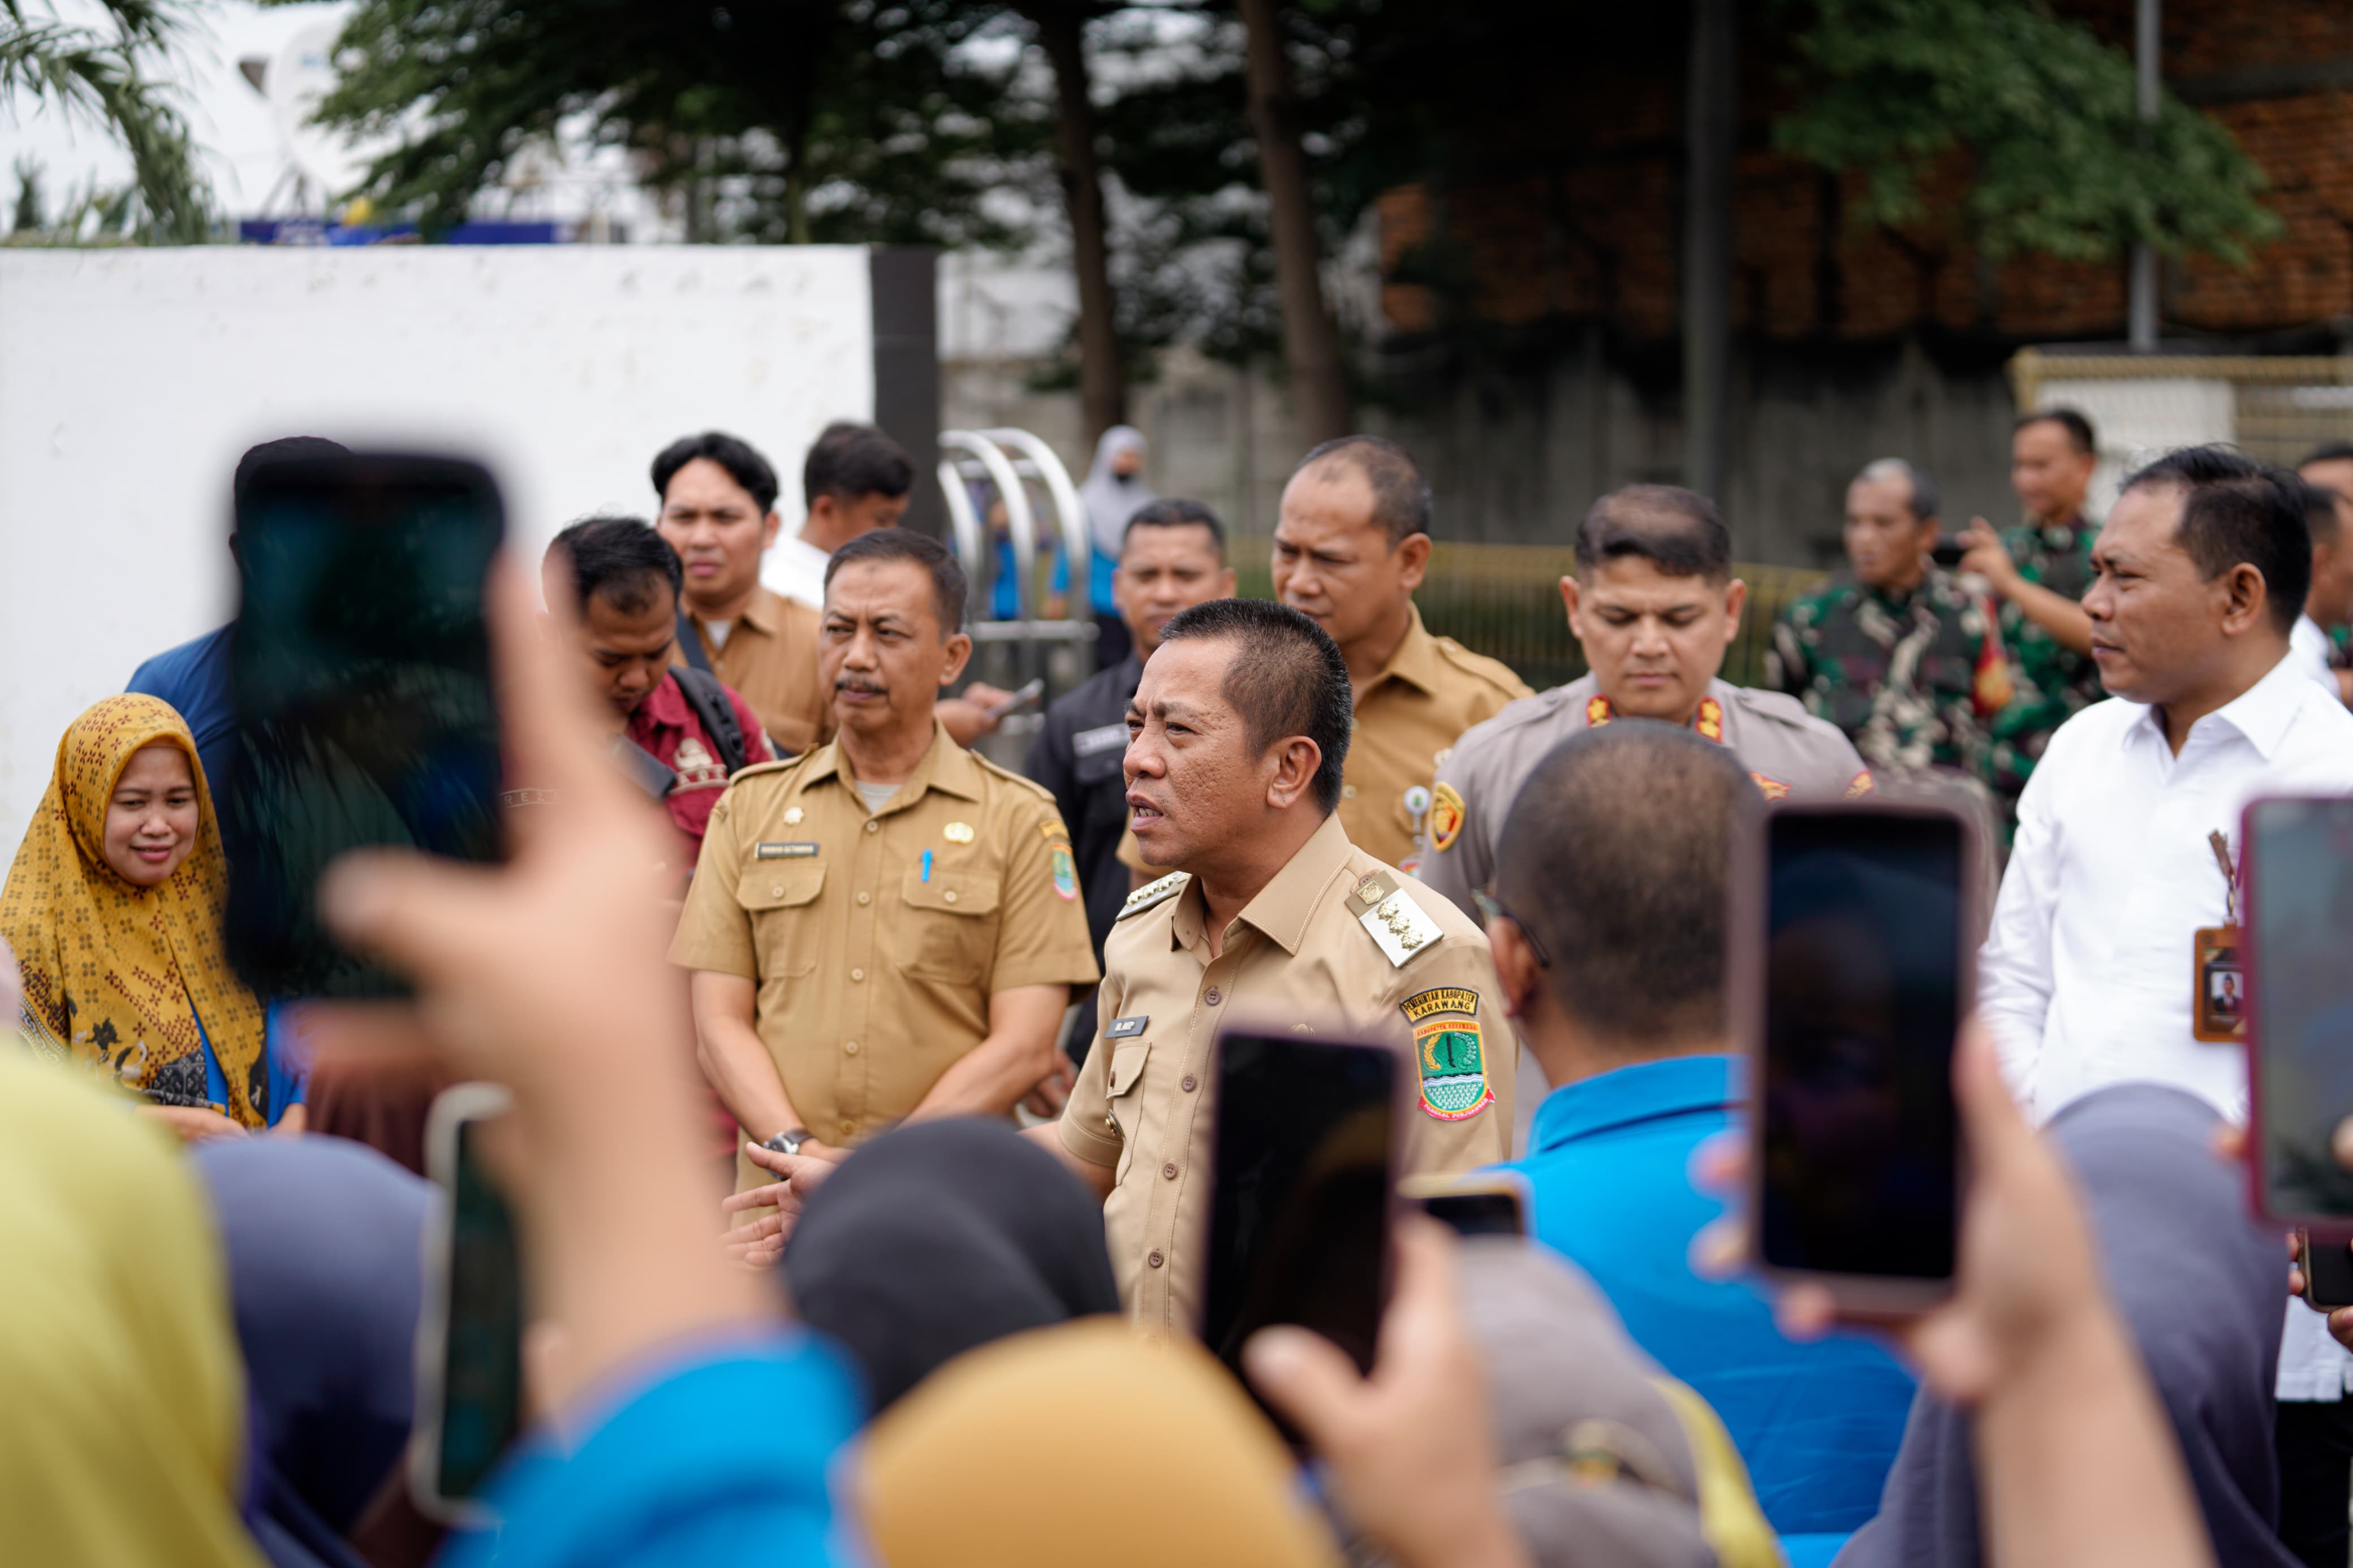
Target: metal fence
(1504,600)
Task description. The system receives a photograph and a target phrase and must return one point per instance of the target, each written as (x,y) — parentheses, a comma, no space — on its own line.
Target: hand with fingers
(1053,1091)
(757,1242)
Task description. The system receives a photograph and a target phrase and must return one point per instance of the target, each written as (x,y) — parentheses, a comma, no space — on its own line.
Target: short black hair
(1924,499)
(621,558)
(1679,531)
(2320,515)
(2234,510)
(949,588)
(286,450)
(1286,678)
(742,462)
(1400,495)
(1638,817)
(2078,427)
(2327,452)
(1173,513)
(851,461)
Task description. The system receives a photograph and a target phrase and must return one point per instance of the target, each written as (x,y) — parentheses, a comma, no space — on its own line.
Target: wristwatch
(788,1141)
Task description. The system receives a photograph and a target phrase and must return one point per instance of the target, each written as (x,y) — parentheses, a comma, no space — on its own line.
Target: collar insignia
(1707,719)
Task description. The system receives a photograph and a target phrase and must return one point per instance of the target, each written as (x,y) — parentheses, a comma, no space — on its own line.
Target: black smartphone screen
(361,667)
(1477,1214)
(1947,552)
(1298,1216)
(481,1350)
(2299,910)
(1859,1136)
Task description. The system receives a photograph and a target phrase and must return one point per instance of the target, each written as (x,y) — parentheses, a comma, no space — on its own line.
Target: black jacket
(1077,755)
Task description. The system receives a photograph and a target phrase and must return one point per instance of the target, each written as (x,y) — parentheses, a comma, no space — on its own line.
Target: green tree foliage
(93,73)
(2058,160)
(812,120)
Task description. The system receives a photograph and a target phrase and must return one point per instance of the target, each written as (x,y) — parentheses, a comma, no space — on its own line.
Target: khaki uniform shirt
(1432,690)
(1786,750)
(1297,957)
(770,659)
(876,941)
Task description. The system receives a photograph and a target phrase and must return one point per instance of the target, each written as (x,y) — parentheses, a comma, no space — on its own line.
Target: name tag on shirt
(1102,738)
(1127,1028)
(784,851)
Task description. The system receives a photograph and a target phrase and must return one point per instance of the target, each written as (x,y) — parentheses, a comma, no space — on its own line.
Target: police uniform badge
(1709,720)
(1862,784)
(1066,873)
(1445,817)
(1449,1050)
(1770,788)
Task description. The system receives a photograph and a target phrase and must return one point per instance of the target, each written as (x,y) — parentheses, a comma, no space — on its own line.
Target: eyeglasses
(1492,911)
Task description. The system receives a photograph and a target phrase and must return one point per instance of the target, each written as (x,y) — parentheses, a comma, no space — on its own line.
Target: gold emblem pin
(792,816)
(957,833)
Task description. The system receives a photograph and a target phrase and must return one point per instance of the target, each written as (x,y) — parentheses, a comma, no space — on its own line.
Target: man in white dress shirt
(854,479)
(2088,973)
(2329,471)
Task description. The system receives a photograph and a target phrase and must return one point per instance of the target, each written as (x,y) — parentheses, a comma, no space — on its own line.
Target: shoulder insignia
(1598,712)
(1709,720)
(1770,788)
(1151,893)
(756,770)
(1398,925)
(1446,814)
(1860,784)
(1448,1049)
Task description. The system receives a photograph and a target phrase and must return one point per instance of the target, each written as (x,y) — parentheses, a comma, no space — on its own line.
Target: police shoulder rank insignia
(1860,785)
(1066,873)
(784,851)
(1397,924)
(1770,788)
(1448,1048)
(1445,817)
(1153,893)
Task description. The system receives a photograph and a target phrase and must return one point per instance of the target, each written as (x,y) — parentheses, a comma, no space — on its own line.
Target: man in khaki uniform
(1654,605)
(890,926)
(1351,545)
(719,512)
(1272,918)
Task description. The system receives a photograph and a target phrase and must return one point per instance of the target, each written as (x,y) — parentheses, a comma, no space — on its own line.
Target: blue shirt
(720,1461)
(194,679)
(1607,1169)
(283,1058)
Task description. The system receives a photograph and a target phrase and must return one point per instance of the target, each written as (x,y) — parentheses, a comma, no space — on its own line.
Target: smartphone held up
(1851,935)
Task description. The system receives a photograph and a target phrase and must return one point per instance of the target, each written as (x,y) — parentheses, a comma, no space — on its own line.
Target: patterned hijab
(115,975)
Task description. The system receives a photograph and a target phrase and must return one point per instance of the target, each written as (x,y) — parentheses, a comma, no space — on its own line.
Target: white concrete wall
(131,381)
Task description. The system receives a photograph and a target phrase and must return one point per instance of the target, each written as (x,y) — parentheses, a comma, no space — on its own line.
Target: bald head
(1399,495)
(1614,861)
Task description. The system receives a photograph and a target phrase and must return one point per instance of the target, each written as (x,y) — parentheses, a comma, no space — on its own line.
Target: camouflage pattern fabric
(2053,684)
(1910,679)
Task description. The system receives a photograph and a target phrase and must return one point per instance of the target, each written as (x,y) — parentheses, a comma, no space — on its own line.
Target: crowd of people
(864,1087)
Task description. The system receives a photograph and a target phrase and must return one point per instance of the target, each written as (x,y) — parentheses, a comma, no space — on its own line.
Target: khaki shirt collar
(1285,906)
(1416,660)
(946,767)
(764,614)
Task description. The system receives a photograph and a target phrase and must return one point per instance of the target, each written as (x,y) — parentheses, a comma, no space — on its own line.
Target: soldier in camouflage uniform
(2039,572)
(1900,655)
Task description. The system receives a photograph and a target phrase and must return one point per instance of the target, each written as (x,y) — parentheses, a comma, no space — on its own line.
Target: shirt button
(863,897)
(1186,1084)
(858,975)
(1348,792)
(849,1048)
(1154,1257)
(1169,1170)
(847,1127)
(873,825)
(1213,996)
(948,897)
(777,892)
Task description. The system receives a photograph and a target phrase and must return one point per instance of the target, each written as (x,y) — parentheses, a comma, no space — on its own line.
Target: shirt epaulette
(1151,893)
(1032,785)
(1493,671)
(1776,706)
(754,770)
(1400,927)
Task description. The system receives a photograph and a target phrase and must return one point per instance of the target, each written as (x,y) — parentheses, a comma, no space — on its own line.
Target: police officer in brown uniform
(1351,545)
(1270,918)
(888,927)
(1653,604)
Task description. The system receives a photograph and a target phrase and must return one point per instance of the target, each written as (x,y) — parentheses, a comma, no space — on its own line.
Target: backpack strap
(690,643)
(708,698)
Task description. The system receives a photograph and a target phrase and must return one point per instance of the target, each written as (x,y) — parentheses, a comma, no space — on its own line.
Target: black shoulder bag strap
(708,698)
(690,643)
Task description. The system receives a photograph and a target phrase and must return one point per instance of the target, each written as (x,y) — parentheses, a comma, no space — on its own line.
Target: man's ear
(1568,600)
(769,528)
(2246,599)
(954,653)
(1296,760)
(1736,599)
(1413,561)
(1516,968)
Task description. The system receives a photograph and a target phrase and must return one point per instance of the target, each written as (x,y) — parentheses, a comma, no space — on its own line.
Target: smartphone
(2327,1271)
(1302,1193)
(1019,698)
(1852,970)
(361,667)
(1484,1204)
(1948,551)
(469,1341)
(2297,860)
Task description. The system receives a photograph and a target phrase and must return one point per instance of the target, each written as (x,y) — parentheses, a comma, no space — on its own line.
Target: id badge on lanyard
(2217,1002)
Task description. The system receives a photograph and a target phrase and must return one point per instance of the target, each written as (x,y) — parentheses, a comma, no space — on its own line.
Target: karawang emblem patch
(1448,1048)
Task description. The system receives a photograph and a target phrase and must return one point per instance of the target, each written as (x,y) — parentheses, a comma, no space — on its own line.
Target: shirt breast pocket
(951,932)
(1127,1112)
(781,900)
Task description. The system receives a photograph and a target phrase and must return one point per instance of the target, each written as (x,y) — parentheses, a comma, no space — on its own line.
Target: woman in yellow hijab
(113,906)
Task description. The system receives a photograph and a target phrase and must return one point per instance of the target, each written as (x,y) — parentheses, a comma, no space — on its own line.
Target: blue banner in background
(317,231)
